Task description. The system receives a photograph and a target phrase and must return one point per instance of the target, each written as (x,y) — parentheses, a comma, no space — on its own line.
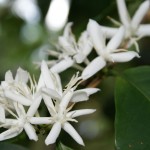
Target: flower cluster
(70,53)
(20,97)
(19,103)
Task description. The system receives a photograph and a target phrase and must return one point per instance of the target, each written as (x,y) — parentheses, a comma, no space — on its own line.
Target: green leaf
(132,96)
(8,146)
(61,146)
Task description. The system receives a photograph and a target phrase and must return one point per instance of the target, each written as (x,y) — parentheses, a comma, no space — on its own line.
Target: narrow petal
(22,76)
(47,77)
(123,13)
(52,93)
(115,42)
(20,110)
(9,123)
(140,13)
(66,99)
(9,76)
(79,96)
(96,65)
(79,57)
(109,31)
(2,114)
(62,65)
(143,30)
(89,91)
(30,132)
(97,35)
(18,98)
(34,106)
(40,120)
(48,102)
(68,35)
(83,94)
(73,133)
(58,83)
(54,133)
(84,43)
(10,133)
(67,29)
(40,83)
(67,45)
(81,112)
(124,56)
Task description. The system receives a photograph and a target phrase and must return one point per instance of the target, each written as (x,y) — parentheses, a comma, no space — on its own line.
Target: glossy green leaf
(132,96)
(8,146)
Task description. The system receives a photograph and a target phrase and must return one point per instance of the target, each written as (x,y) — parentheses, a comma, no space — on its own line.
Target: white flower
(133,28)
(71,53)
(18,90)
(21,122)
(59,104)
(108,53)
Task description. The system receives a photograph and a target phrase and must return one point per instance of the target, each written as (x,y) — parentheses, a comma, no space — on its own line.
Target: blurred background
(28,27)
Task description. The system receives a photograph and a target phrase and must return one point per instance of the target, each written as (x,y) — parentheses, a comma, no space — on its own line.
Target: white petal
(140,13)
(115,42)
(48,102)
(10,122)
(2,114)
(40,83)
(67,41)
(30,132)
(97,35)
(9,76)
(66,99)
(143,30)
(124,56)
(47,77)
(40,120)
(52,93)
(68,35)
(85,44)
(62,65)
(34,106)
(79,57)
(58,83)
(81,112)
(10,133)
(79,96)
(109,31)
(123,13)
(18,98)
(89,91)
(67,45)
(22,76)
(96,65)
(83,94)
(70,130)
(54,133)
(20,110)
(67,30)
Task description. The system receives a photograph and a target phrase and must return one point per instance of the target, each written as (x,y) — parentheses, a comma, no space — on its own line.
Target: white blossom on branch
(133,29)
(70,53)
(107,53)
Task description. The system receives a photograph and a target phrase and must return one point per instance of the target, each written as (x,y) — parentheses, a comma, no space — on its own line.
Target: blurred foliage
(21,44)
